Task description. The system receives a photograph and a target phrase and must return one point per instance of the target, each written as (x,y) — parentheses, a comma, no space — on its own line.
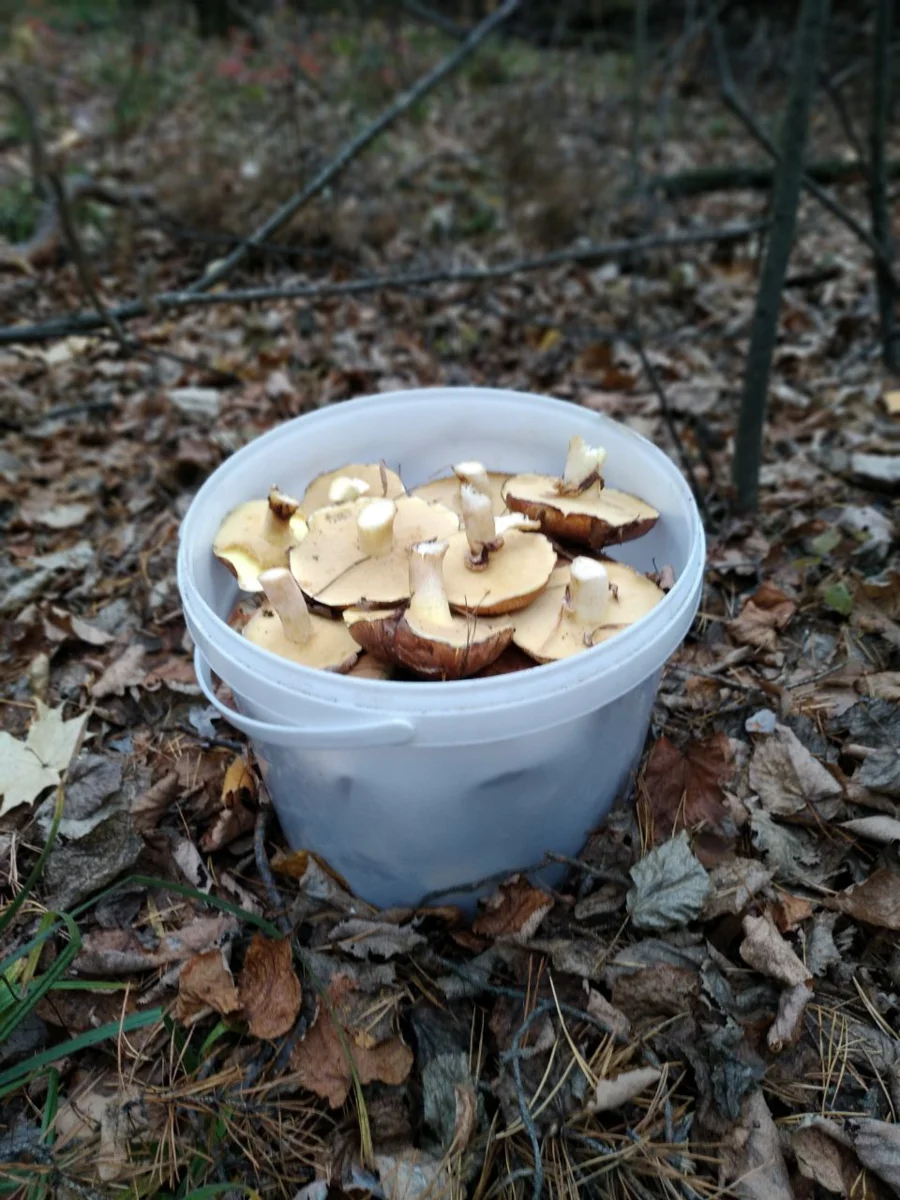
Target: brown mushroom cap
(598,516)
(446,491)
(333,569)
(259,535)
(285,627)
(367,666)
(382,483)
(584,606)
(426,636)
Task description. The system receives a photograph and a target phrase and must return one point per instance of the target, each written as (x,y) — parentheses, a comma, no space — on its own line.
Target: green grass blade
(35,873)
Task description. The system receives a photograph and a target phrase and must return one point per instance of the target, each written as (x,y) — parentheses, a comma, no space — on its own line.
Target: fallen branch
(758,177)
(590,255)
(356,145)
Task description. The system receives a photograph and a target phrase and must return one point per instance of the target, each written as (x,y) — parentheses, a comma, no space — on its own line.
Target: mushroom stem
(583,463)
(587,598)
(474,474)
(286,597)
(428,602)
(344,490)
(278,515)
(375,527)
(480,526)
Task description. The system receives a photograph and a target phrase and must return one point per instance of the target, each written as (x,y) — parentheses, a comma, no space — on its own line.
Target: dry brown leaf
(789,780)
(823,1160)
(149,807)
(321,1059)
(682,789)
(614,1021)
(732,885)
(877,901)
(786,1027)
(767,611)
(515,910)
(790,911)
(657,991)
(235,818)
(755,1165)
(268,987)
(764,949)
(119,951)
(881,829)
(206,983)
(466,1120)
(613,1093)
(877,1146)
(60,624)
(124,673)
(885,685)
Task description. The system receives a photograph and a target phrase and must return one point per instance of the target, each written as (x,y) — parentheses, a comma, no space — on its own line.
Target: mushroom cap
(382,483)
(329,648)
(436,651)
(255,537)
(547,631)
(332,570)
(510,580)
(598,516)
(367,666)
(446,491)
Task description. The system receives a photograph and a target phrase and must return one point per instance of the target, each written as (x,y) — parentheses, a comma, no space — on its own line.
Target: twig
(362,141)
(265,871)
(811,24)
(755,177)
(878,198)
(432,17)
(590,255)
(733,101)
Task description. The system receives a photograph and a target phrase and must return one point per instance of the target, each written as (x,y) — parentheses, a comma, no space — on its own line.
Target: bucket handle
(344,736)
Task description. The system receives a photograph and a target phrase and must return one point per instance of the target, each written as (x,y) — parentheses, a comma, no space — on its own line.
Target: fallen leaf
(789,780)
(363,938)
(59,624)
(732,885)
(269,988)
(410,1174)
(26,768)
(785,1029)
(823,1160)
(56,516)
(200,403)
(322,1059)
(880,470)
(764,949)
(877,1146)
(121,951)
(881,829)
(884,685)
(880,772)
(793,855)
(206,983)
(670,887)
(611,1018)
(658,991)
(891,401)
(821,952)
(766,612)
(515,910)
(235,818)
(877,901)
(75,870)
(681,789)
(613,1093)
(755,1163)
(124,673)
(790,911)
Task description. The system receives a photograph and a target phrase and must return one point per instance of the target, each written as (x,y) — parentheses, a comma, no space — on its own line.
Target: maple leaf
(27,768)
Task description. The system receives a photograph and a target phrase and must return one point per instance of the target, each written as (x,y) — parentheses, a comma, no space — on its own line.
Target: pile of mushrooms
(476,574)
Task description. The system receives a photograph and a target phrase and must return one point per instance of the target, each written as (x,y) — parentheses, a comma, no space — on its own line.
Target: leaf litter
(709,1001)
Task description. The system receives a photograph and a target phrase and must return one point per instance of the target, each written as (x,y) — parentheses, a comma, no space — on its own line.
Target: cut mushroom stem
(375,528)
(583,463)
(278,515)
(588,596)
(286,597)
(475,475)
(426,581)
(480,526)
(345,489)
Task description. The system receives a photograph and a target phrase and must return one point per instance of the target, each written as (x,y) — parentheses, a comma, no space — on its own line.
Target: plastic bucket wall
(413,788)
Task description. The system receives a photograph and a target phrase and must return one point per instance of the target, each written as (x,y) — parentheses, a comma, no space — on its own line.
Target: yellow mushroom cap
(360,552)
(381,482)
(598,516)
(285,627)
(586,604)
(258,535)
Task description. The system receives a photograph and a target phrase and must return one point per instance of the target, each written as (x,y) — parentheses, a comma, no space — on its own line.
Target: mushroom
(379,482)
(427,636)
(367,666)
(358,552)
(446,491)
(258,535)
(586,605)
(286,627)
(577,506)
(345,489)
(495,566)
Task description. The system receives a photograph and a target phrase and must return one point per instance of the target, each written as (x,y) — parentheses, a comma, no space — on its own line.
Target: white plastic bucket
(409,789)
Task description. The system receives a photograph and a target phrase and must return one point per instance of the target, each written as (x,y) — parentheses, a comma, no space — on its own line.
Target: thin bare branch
(361,142)
(589,255)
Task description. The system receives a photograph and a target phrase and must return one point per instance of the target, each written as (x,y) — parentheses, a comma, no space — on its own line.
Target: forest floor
(188,1008)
